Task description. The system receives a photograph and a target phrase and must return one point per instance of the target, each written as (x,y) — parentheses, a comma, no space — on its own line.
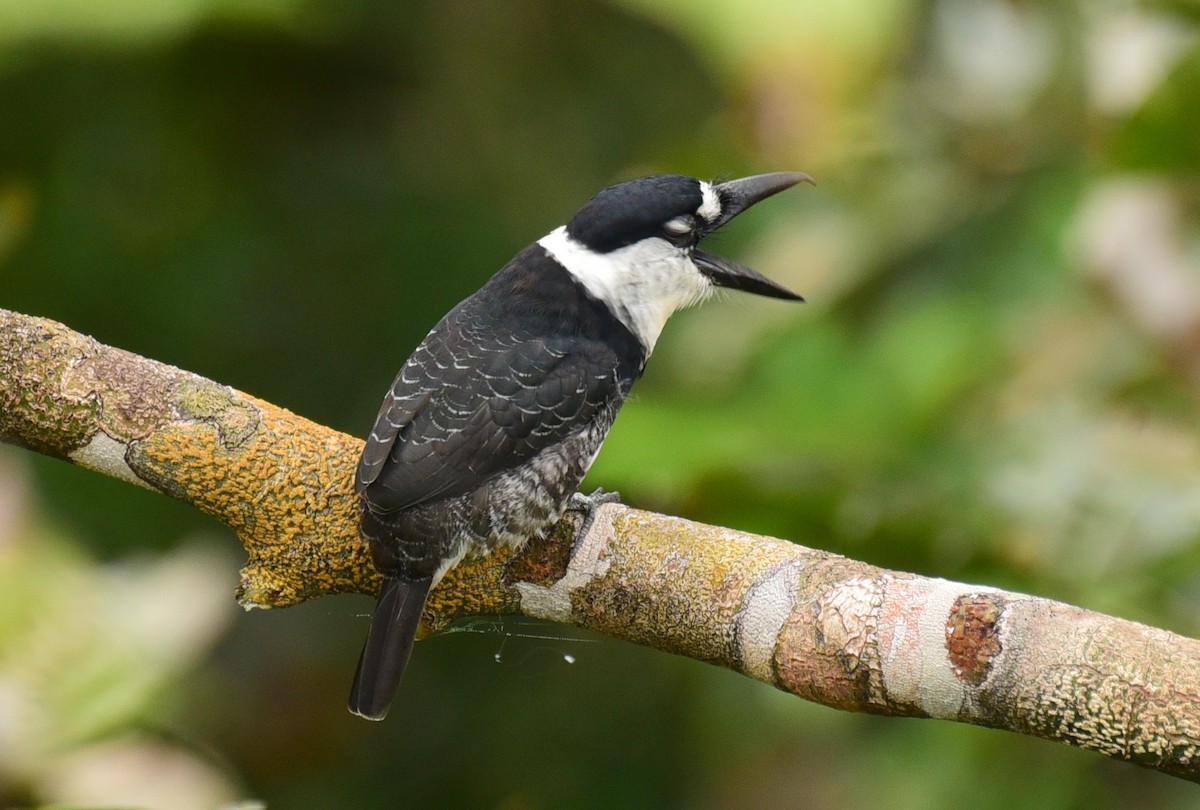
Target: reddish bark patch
(972,641)
(546,558)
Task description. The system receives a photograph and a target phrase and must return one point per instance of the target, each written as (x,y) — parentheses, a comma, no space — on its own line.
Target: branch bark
(823,627)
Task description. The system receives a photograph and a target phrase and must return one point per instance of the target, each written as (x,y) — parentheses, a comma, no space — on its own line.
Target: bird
(494,419)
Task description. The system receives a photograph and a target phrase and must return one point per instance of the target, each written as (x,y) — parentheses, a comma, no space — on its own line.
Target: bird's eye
(679,226)
(680,231)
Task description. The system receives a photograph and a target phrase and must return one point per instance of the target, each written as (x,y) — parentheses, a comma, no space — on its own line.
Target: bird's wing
(467,406)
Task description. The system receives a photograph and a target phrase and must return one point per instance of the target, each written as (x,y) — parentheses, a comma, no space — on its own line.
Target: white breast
(643,284)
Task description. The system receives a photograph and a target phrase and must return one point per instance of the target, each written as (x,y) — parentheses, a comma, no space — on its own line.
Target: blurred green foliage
(994,379)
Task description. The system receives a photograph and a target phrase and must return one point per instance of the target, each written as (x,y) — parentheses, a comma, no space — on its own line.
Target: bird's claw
(587,506)
(586,503)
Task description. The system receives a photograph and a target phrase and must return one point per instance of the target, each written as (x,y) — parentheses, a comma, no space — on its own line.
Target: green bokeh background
(995,378)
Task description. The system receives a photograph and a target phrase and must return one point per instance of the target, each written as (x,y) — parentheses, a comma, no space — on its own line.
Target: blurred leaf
(1185,8)
(127,21)
(85,649)
(1162,135)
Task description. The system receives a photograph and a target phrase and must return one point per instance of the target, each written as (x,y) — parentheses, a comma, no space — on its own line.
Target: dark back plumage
(473,401)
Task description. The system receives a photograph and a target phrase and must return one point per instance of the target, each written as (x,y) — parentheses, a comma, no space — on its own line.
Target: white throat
(643,284)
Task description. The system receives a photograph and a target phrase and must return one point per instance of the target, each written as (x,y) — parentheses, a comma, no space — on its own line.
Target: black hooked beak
(736,196)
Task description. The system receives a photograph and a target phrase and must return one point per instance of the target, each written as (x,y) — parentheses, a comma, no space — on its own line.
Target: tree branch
(826,628)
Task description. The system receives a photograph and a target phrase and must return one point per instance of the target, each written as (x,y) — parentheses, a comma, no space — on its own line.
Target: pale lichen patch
(233,414)
(107,455)
(542,602)
(918,672)
(765,607)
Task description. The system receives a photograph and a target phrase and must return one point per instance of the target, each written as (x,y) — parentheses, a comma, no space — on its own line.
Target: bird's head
(634,245)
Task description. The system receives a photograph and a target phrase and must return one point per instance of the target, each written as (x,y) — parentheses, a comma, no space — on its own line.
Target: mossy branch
(833,630)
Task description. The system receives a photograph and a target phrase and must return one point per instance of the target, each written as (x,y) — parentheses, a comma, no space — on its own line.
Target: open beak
(736,196)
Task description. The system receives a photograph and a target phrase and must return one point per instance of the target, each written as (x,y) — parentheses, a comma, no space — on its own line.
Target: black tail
(389,643)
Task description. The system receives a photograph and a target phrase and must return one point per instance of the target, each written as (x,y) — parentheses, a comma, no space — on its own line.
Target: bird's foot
(587,506)
(579,502)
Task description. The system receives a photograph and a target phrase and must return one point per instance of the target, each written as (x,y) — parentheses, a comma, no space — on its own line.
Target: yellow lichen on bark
(485,586)
(711,570)
(285,488)
(474,587)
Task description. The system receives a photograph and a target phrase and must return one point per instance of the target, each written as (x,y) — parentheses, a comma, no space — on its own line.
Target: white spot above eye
(679,225)
(710,209)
